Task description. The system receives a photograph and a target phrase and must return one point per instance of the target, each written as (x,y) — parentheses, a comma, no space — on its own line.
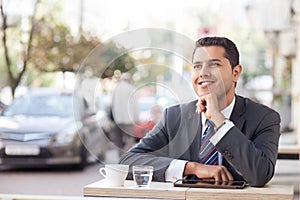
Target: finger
(224,175)
(199,107)
(202,108)
(218,182)
(218,176)
(225,182)
(228,174)
(203,102)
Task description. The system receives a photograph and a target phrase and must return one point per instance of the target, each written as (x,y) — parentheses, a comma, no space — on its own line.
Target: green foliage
(43,80)
(55,49)
(123,63)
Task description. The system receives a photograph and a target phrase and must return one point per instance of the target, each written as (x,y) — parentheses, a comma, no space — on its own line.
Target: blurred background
(44,44)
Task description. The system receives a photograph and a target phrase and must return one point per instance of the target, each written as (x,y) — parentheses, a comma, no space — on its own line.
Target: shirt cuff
(221,132)
(175,170)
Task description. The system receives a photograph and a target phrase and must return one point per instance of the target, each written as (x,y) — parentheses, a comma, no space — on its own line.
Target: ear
(237,70)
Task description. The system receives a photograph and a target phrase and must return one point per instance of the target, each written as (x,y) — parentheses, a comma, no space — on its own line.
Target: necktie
(208,152)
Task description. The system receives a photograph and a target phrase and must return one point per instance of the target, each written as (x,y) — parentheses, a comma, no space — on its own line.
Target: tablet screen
(210,184)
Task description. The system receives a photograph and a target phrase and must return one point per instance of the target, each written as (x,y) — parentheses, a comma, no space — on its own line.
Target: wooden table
(289,149)
(168,191)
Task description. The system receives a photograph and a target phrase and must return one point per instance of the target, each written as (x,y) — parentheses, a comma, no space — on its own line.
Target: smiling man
(221,135)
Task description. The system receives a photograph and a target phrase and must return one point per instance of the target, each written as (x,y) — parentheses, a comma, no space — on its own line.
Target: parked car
(150,111)
(147,103)
(45,128)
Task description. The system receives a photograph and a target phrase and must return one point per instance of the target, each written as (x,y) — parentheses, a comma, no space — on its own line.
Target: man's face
(212,73)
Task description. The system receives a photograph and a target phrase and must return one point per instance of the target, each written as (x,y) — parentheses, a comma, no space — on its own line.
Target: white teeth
(205,83)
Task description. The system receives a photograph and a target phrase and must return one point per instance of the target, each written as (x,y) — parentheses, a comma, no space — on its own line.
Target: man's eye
(214,64)
(197,67)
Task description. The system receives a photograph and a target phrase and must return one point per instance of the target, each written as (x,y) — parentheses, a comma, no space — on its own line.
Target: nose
(204,71)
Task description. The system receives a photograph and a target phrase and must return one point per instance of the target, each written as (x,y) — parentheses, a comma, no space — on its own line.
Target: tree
(51,47)
(56,49)
(14,74)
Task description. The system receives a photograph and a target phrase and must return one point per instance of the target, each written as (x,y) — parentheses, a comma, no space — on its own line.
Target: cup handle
(102,172)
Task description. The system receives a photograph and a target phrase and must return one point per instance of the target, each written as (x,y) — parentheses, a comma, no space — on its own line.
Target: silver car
(51,128)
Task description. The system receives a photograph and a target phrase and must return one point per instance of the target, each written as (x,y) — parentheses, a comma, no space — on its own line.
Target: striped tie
(208,152)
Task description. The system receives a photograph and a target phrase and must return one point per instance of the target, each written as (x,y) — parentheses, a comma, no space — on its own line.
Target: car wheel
(83,156)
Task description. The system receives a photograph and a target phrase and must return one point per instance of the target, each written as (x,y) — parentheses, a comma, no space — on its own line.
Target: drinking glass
(142,175)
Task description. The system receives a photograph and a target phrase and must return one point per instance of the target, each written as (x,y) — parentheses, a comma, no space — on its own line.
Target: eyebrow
(209,60)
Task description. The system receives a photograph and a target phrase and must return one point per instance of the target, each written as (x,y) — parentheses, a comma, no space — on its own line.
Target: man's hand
(218,173)
(208,104)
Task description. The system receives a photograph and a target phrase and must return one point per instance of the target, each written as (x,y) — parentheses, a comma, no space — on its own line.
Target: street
(62,181)
(50,181)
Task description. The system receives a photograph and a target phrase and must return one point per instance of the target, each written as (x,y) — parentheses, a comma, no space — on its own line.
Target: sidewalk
(287,171)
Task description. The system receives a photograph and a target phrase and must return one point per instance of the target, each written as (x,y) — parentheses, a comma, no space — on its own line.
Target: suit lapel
(193,126)
(238,110)
(239,121)
(193,123)
(192,130)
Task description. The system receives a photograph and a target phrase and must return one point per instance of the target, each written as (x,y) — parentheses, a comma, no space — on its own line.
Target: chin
(202,93)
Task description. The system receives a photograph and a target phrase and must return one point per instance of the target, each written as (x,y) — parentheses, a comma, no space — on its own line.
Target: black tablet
(200,183)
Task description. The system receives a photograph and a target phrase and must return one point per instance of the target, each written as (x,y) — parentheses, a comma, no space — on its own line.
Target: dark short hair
(231,51)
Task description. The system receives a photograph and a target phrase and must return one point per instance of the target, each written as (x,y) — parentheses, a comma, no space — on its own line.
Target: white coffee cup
(115,174)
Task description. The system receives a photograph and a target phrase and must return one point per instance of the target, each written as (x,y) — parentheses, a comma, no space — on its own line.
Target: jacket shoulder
(247,105)
(184,109)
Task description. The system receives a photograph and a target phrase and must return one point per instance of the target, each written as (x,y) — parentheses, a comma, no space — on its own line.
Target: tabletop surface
(163,190)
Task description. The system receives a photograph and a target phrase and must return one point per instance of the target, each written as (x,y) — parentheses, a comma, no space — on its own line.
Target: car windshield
(50,105)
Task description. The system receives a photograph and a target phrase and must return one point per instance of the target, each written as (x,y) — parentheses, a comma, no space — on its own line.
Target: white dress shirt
(176,167)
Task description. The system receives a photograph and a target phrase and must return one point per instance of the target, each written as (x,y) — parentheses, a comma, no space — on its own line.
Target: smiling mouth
(205,83)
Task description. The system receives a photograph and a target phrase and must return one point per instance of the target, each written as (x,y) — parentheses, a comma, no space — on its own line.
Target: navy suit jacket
(249,149)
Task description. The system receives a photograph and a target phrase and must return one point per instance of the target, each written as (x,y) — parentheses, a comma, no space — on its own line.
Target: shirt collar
(226,111)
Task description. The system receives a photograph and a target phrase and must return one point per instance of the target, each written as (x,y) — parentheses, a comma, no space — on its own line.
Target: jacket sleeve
(151,150)
(252,151)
